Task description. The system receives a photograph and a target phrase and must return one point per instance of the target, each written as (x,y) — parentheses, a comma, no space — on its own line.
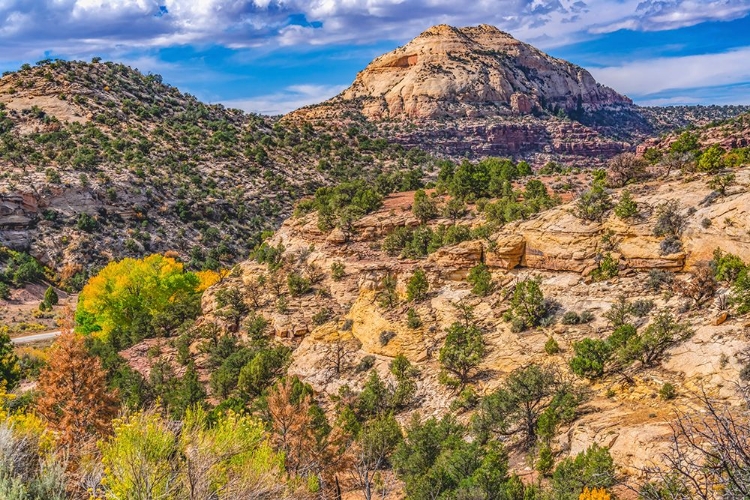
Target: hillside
(727,133)
(356,312)
(99,162)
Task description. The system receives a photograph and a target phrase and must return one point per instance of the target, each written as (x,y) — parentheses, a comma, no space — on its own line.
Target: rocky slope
(478,91)
(474,72)
(665,119)
(98,162)
(729,133)
(343,316)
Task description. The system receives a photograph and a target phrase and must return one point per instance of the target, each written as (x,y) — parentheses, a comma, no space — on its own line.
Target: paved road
(37,337)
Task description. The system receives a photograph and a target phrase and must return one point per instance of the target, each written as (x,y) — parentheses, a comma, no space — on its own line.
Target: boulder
(453,262)
(506,252)
(337,237)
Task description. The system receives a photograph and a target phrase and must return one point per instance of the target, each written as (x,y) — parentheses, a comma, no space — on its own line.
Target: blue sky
(271,56)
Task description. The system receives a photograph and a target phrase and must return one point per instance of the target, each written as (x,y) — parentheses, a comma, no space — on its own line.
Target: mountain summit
(473,72)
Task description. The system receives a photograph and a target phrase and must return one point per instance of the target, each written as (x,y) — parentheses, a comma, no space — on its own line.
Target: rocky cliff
(478,91)
(473,72)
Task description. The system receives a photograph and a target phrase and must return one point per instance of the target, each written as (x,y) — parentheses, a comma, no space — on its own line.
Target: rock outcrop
(473,72)
(479,91)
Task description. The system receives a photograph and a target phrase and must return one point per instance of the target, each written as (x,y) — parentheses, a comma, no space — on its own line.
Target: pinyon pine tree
(73,391)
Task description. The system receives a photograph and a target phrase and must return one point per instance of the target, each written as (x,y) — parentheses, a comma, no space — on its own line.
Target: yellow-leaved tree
(209,278)
(132,299)
(149,457)
(594,494)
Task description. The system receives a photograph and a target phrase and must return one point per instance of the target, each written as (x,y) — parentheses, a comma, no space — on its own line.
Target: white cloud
(671,14)
(34,26)
(651,76)
(30,30)
(289,99)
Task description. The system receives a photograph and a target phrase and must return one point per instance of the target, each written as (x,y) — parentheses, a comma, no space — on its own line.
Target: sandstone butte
(480,91)
(471,72)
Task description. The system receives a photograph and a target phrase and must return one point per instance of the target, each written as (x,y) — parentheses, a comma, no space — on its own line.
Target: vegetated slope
(98,162)
(725,132)
(665,119)
(348,304)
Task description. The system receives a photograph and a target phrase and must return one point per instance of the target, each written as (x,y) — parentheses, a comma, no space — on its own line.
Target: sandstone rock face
(537,139)
(506,252)
(479,91)
(454,262)
(473,72)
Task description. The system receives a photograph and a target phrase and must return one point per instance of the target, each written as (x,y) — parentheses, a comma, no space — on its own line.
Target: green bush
(416,288)
(593,204)
(455,209)
(531,403)
(590,358)
(669,220)
(551,347)
(461,353)
(388,297)
(667,391)
(545,461)
(297,284)
(365,364)
(338,271)
(386,336)
(571,318)
(741,291)
(727,267)
(50,297)
(321,316)
(480,278)
(528,306)
(608,268)
(10,368)
(659,279)
(663,333)
(686,143)
(53,176)
(712,159)
(86,223)
(626,208)
(423,207)
(721,182)
(642,307)
(429,458)
(412,319)
(593,468)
